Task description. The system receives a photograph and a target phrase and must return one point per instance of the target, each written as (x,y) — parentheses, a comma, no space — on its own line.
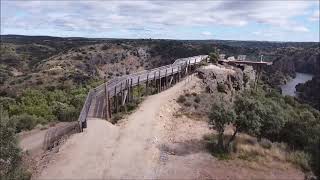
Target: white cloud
(206,33)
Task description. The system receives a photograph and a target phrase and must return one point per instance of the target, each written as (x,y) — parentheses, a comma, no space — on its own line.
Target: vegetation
(214,56)
(10,154)
(280,119)
(220,117)
(34,107)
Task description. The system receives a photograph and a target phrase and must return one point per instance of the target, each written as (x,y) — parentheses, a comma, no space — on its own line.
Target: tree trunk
(220,141)
(232,138)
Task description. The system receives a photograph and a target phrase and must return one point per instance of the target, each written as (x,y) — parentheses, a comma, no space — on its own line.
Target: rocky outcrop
(218,78)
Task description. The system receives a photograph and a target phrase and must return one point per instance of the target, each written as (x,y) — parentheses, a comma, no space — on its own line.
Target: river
(290,87)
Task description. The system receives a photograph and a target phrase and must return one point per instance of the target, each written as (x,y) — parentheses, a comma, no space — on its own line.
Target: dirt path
(128,150)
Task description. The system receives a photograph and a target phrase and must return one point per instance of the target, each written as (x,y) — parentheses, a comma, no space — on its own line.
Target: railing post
(159,87)
(131,90)
(147,84)
(115,99)
(179,69)
(154,80)
(138,87)
(109,107)
(106,98)
(166,80)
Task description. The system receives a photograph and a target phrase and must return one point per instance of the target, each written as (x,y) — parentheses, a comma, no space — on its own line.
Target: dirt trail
(128,150)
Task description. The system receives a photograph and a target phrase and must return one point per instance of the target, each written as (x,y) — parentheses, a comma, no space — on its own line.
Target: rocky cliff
(288,61)
(227,79)
(309,92)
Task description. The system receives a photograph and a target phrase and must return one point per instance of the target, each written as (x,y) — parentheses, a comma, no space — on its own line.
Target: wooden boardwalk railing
(107,97)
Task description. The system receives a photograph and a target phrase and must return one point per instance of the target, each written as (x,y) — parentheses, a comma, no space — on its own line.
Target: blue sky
(215,19)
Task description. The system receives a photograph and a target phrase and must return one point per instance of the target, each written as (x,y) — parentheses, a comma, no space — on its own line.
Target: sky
(278,20)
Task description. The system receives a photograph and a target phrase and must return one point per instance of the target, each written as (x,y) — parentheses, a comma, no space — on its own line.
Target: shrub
(301,159)
(214,57)
(25,121)
(67,113)
(197,99)
(221,88)
(220,116)
(10,156)
(265,143)
(116,118)
(188,104)
(181,99)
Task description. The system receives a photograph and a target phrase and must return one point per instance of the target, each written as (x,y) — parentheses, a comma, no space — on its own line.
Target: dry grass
(265,153)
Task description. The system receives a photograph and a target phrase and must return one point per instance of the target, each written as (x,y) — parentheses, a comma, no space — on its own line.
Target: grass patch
(301,159)
(181,99)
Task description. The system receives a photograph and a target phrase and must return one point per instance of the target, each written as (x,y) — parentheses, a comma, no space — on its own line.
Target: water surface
(290,87)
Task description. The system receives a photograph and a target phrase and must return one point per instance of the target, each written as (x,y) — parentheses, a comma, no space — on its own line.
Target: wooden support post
(121,90)
(179,69)
(172,72)
(147,85)
(109,107)
(128,89)
(105,99)
(138,87)
(154,81)
(131,90)
(166,80)
(116,99)
(159,87)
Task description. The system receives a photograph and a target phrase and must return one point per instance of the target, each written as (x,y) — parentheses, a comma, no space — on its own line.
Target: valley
(45,81)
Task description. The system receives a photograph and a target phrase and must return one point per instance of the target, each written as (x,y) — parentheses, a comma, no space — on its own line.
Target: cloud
(315,16)
(206,33)
(151,17)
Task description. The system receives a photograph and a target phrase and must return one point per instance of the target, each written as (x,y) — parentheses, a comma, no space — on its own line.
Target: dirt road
(127,150)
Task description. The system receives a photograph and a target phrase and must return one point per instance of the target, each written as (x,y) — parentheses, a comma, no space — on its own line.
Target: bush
(67,113)
(181,99)
(221,88)
(10,156)
(26,121)
(265,143)
(301,159)
(116,118)
(197,99)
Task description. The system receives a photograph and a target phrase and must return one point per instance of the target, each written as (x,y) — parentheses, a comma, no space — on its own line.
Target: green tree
(220,116)
(214,56)
(248,110)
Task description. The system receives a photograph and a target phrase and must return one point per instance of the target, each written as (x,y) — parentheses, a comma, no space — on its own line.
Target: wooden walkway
(252,63)
(109,97)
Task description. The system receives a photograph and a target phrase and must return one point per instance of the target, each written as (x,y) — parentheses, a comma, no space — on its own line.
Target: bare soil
(153,142)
